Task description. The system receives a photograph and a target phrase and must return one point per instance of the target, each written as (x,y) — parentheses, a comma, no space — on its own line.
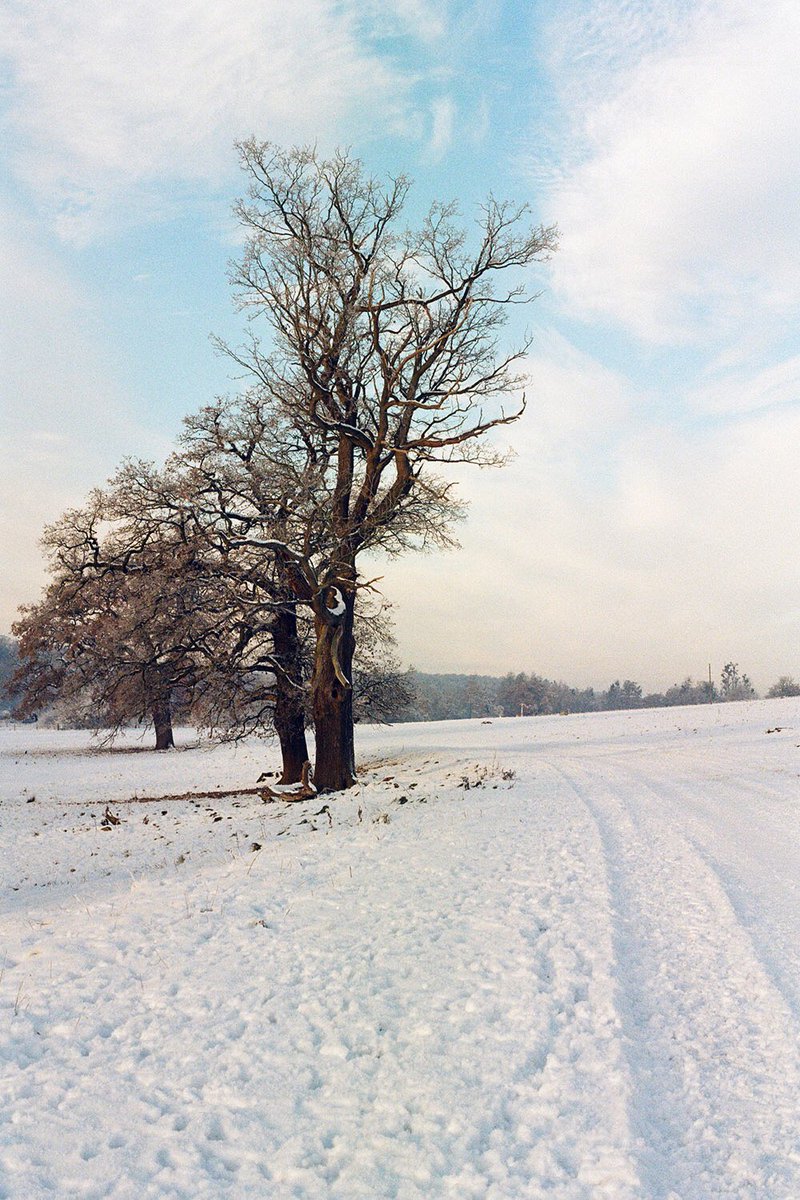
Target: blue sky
(648,525)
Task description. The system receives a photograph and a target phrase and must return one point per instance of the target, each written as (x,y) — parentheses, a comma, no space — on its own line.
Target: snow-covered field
(550,957)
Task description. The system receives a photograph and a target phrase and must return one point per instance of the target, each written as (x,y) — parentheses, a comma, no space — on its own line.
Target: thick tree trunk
(332,698)
(290,718)
(162,720)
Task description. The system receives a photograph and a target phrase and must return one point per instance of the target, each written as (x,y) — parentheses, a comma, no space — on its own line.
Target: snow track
(575,978)
(711,1042)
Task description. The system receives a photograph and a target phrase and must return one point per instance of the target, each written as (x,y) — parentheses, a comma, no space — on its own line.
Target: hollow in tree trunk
(332,694)
(290,720)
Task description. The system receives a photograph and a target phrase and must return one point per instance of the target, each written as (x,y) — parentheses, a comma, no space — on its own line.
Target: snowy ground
(579,976)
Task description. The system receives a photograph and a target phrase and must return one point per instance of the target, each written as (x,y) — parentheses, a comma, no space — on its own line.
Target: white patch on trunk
(339,606)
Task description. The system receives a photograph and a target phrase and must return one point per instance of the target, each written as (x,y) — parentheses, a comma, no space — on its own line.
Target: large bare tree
(380,347)
(257,487)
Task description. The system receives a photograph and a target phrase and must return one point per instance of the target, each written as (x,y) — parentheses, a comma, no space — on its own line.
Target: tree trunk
(162,720)
(332,699)
(290,717)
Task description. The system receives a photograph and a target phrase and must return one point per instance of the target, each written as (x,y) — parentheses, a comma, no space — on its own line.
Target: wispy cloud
(745,391)
(677,194)
(426,20)
(442,117)
(110,104)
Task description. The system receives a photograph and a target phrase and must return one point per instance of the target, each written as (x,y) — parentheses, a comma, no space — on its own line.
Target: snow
(537,958)
(338,607)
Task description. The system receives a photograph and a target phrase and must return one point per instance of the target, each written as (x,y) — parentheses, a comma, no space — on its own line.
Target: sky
(648,523)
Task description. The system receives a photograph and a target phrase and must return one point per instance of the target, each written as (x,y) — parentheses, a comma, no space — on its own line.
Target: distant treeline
(454,697)
(419,696)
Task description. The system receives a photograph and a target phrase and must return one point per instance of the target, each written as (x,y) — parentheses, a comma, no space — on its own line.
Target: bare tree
(734,685)
(383,355)
(9,664)
(785,685)
(249,661)
(258,487)
(382,690)
(118,628)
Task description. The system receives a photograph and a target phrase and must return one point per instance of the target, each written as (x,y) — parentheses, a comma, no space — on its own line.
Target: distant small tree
(478,698)
(785,686)
(689,692)
(623,695)
(580,700)
(735,686)
(533,695)
(524,695)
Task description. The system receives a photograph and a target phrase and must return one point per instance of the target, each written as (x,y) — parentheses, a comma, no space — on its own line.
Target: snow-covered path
(711,1041)
(579,976)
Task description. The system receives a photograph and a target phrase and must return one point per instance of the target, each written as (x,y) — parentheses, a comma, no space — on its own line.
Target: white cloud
(108,98)
(678,202)
(741,391)
(443,114)
(617,543)
(572,396)
(427,20)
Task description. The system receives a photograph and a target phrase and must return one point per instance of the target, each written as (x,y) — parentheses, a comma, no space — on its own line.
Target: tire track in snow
(708,1038)
(748,849)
